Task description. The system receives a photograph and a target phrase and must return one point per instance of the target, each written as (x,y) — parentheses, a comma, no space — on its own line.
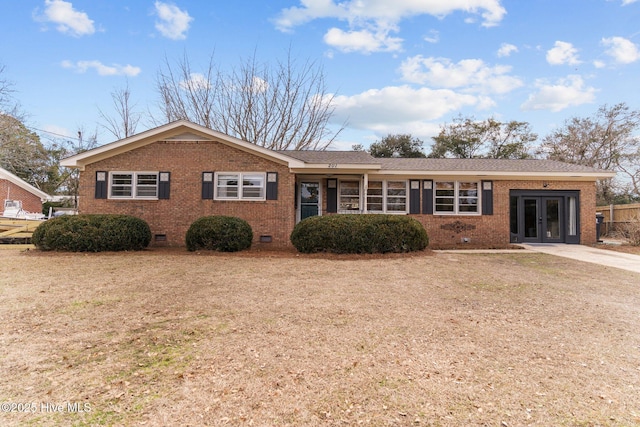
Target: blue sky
(396,66)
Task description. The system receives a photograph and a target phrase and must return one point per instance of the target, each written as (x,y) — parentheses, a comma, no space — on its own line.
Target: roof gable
(8,176)
(181,130)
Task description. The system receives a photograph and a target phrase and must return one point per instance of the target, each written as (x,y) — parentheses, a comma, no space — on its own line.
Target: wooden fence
(616,216)
(17,230)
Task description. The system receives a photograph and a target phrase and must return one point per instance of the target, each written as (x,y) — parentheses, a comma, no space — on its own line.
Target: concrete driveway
(588,254)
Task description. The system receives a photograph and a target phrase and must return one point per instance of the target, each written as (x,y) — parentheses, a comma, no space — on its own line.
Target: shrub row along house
(171,175)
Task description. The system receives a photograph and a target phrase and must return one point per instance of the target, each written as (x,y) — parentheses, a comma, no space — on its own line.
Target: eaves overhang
(335,169)
(374,170)
(503,175)
(14,179)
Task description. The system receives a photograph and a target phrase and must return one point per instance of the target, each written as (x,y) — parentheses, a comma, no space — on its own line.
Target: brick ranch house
(15,188)
(171,175)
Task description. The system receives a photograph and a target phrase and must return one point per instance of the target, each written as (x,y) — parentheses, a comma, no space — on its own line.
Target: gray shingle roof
(352,157)
(438,165)
(493,165)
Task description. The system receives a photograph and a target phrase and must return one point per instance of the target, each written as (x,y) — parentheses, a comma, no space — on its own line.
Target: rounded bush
(92,233)
(356,234)
(219,233)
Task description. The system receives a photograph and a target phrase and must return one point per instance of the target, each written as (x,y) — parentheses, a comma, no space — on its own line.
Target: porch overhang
(335,169)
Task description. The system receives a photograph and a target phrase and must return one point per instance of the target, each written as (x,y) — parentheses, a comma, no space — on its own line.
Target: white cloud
(506,49)
(393,108)
(362,41)
(312,9)
(381,16)
(101,69)
(627,2)
(197,81)
(624,51)
(68,20)
(173,23)
(433,37)
(567,92)
(472,75)
(563,53)
(258,85)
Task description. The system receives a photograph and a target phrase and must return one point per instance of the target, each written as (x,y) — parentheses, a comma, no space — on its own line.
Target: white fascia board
(530,176)
(339,168)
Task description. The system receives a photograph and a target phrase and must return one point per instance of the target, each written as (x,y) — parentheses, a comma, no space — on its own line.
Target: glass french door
(543,219)
(309,199)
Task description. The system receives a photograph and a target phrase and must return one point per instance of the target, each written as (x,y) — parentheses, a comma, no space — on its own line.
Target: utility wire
(52,133)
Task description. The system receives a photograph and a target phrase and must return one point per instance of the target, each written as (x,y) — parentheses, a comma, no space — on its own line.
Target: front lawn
(165,337)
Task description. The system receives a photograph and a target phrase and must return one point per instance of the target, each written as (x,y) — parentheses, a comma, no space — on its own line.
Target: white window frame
(341,186)
(384,198)
(135,187)
(457,197)
(241,187)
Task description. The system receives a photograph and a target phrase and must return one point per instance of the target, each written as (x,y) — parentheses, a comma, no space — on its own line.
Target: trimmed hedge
(92,233)
(219,233)
(356,234)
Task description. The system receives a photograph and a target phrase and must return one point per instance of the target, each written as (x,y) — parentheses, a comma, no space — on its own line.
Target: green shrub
(219,233)
(359,234)
(92,233)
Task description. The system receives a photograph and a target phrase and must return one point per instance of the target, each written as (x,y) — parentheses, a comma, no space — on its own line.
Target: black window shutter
(427,197)
(272,185)
(487,197)
(207,185)
(164,186)
(414,197)
(101,185)
(332,195)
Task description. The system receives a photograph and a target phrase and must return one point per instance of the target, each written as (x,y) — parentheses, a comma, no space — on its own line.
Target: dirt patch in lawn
(440,339)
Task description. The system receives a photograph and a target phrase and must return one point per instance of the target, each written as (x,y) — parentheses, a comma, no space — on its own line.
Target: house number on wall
(333,165)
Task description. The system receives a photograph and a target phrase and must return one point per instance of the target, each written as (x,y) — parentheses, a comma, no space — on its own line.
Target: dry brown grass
(629,249)
(175,338)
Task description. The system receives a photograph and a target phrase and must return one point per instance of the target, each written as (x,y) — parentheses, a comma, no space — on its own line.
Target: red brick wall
(186,161)
(493,230)
(30,202)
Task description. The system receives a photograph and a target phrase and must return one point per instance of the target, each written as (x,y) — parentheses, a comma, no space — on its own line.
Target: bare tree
(6,89)
(281,106)
(605,141)
(125,122)
(85,141)
(8,104)
(630,167)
